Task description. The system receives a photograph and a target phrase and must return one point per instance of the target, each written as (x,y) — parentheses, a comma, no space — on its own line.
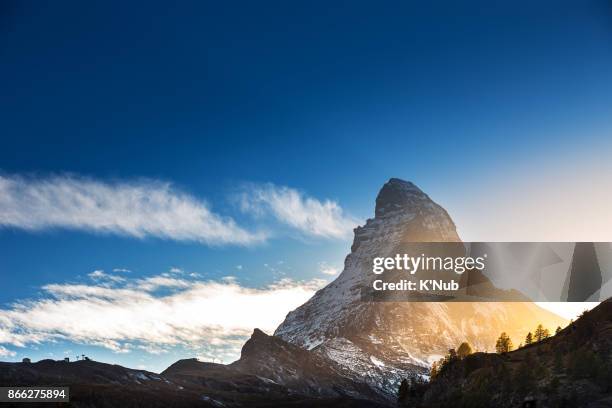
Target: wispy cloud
(292,207)
(100,275)
(138,208)
(4,352)
(152,314)
(328,269)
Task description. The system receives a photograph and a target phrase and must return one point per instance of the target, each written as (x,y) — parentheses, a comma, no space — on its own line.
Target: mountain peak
(398,194)
(258,333)
(258,341)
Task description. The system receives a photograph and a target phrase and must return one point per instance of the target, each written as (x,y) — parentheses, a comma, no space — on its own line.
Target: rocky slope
(384,342)
(270,365)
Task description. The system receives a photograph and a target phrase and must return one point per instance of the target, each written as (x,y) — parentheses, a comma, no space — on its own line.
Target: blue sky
(491,109)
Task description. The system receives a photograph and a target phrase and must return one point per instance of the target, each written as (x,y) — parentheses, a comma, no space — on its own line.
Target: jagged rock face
(271,368)
(409,215)
(286,364)
(383,342)
(430,222)
(301,371)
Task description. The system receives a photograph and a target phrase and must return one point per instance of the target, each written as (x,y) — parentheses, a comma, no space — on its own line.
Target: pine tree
(540,333)
(503,344)
(433,373)
(441,366)
(529,339)
(452,355)
(464,350)
(558,330)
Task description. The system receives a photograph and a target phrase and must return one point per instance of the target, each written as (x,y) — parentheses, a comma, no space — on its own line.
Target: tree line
(502,345)
(504,342)
(561,372)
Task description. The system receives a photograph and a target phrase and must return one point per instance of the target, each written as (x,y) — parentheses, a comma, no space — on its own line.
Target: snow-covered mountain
(383,342)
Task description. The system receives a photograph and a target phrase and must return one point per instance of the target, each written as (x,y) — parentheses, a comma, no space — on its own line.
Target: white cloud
(292,207)
(214,317)
(327,269)
(4,352)
(122,270)
(138,209)
(97,274)
(157,282)
(100,275)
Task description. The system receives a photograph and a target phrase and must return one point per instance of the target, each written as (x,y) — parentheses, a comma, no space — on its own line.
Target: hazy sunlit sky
(155,157)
